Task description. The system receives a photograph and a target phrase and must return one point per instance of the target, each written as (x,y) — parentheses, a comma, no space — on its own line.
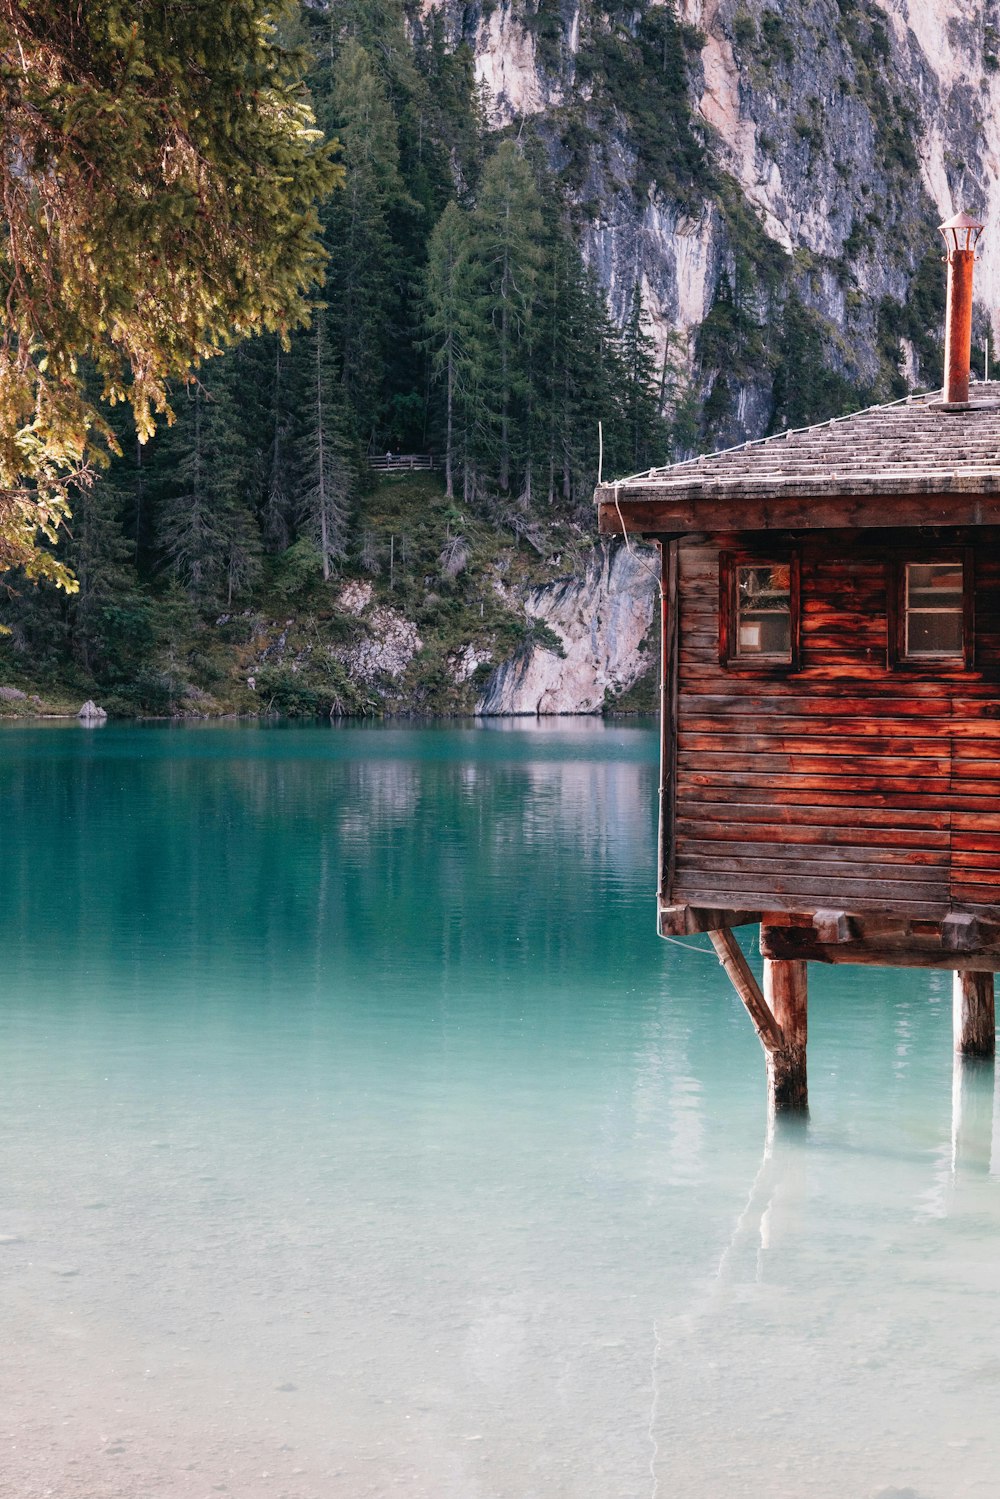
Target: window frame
(729,564)
(923,556)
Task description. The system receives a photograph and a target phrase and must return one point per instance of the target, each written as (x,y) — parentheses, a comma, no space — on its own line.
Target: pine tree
(453,336)
(574,342)
(361,291)
(325,479)
(507,229)
(206,529)
(640,402)
(106,616)
(186,531)
(277,505)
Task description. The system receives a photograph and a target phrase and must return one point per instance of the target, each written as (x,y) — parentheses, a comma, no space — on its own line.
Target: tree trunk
(321,455)
(449,440)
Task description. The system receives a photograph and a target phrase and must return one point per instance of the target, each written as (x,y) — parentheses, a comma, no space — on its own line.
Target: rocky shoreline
(586,643)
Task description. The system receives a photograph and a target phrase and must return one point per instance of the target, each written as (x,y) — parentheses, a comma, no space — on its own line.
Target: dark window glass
(764,612)
(934,611)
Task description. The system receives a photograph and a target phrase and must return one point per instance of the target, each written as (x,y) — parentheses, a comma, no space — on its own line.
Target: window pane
(933,581)
(935,609)
(934,633)
(763,610)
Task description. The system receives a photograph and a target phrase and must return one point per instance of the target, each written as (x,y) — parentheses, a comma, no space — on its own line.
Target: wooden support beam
(786,990)
(834,926)
(973,1014)
(779,1018)
(960,933)
(963,942)
(742,979)
(685,921)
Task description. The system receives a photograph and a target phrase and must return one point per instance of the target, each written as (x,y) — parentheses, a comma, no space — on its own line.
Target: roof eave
(672,510)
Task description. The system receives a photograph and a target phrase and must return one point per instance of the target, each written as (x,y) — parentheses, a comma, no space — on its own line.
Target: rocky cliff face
(770,174)
(603,621)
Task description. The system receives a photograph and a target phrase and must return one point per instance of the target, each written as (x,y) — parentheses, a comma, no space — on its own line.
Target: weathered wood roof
(906,447)
(910,448)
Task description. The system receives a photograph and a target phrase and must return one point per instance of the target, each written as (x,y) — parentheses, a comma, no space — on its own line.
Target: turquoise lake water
(358,1137)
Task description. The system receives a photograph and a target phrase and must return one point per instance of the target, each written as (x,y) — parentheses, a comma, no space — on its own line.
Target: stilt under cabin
(831,696)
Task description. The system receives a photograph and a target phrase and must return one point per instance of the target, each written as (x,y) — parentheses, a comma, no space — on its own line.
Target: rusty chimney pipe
(960,236)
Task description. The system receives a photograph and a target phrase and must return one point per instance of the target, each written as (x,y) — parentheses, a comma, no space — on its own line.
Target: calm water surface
(359,1138)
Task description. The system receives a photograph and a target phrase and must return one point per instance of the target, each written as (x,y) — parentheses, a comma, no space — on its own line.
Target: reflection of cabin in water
(831,695)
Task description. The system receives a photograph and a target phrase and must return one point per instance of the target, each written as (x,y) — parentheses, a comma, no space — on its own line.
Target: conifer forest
(251,557)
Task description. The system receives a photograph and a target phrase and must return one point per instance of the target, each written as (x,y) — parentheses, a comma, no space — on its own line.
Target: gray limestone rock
(91,713)
(602,620)
(841,134)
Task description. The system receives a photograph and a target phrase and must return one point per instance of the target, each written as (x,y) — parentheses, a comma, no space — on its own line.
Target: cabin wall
(845,783)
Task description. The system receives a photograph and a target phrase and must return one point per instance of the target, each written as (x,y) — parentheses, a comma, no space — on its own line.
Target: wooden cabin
(831,696)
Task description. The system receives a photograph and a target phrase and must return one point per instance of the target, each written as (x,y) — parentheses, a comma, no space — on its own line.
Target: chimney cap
(961,232)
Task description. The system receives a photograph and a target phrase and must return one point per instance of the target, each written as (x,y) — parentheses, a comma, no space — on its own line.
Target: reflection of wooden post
(972,1104)
(786,988)
(973,1014)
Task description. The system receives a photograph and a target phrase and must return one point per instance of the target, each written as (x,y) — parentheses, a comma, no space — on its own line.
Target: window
(934,611)
(759,625)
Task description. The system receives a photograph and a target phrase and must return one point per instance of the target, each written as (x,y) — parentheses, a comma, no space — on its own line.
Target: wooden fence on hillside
(402,463)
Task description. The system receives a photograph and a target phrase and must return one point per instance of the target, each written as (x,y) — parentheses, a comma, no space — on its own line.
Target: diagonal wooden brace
(741,977)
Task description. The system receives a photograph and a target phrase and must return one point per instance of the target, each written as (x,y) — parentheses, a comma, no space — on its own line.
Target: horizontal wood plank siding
(845,783)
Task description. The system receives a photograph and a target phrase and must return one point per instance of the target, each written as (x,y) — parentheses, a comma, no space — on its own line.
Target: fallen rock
(386,652)
(11,695)
(91,713)
(355,597)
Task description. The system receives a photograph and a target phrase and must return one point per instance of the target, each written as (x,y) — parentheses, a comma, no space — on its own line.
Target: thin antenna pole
(600,450)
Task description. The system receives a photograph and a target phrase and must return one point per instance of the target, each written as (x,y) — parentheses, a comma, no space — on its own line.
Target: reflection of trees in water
(373,797)
(607,809)
(442,860)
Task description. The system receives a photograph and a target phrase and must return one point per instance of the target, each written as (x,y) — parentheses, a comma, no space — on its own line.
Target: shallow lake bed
(359,1137)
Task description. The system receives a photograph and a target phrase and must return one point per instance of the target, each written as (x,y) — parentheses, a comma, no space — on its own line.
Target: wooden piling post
(786,989)
(973,1014)
(779,1018)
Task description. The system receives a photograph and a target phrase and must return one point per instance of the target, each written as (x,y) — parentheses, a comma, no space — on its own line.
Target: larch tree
(160,169)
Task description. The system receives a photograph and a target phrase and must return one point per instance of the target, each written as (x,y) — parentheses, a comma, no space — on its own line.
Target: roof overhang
(651,509)
(915,462)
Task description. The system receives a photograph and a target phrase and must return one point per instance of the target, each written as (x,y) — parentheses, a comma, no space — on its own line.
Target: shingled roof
(911,447)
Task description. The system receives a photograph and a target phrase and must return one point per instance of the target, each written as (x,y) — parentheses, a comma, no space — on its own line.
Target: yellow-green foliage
(160,171)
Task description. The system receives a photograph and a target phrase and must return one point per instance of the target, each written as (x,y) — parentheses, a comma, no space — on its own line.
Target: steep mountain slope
(771,175)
